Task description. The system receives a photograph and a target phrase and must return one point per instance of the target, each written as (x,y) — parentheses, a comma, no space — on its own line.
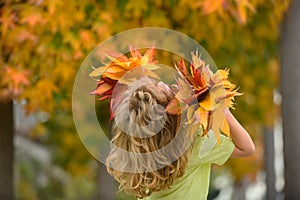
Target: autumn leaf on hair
(119,64)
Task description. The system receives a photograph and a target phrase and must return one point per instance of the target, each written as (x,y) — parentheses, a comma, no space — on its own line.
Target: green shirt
(194,184)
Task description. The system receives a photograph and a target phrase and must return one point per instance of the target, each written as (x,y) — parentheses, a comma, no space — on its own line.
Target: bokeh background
(43,43)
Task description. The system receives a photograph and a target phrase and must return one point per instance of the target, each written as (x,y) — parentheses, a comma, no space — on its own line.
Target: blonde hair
(136,159)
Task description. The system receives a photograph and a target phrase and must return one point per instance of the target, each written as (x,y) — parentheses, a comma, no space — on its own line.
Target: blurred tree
(44,41)
(290,76)
(6,150)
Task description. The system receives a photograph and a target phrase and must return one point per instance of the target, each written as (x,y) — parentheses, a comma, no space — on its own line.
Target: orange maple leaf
(14,80)
(117,68)
(210,6)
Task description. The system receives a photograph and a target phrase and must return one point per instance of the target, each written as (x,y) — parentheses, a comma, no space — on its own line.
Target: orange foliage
(44,42)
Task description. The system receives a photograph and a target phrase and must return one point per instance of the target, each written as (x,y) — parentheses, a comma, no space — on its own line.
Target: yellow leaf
(98,71)
(114,75)
(193,130)
(191,111)
(220,75)
(202,117)
(47,88)
(32,16)
(135,74)
(7,20)
(242,7)
(136,7)
(64,73)
(226,128)
(151,66)
(210,6)
(218,119)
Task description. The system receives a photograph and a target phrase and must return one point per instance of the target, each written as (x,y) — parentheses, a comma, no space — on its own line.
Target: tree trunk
(6,151)
(239,190)
(290,89)
(107,186)
(269,163)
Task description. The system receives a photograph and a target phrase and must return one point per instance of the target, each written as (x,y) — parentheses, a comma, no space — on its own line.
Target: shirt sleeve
(217,153)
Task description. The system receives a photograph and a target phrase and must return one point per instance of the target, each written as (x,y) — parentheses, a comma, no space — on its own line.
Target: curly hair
(138,159)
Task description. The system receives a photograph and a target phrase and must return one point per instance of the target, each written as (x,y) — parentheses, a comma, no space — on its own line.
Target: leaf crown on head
(212,91)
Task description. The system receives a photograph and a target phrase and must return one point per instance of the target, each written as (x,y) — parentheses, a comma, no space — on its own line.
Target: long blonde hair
(136,160)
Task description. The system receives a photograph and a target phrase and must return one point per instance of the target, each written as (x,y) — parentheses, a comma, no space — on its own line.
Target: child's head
(141,128)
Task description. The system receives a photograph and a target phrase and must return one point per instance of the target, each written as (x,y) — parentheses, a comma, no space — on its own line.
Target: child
(143,128)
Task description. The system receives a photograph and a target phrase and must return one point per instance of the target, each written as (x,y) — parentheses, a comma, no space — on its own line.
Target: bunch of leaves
(211,92)
(115,71)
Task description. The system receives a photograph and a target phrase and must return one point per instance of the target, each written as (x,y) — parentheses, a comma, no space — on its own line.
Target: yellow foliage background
(43,43)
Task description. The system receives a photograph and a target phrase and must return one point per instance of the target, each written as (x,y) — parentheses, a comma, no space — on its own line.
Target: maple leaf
(14,80)
(195,78)
(241,12)
(115,71)
(136,7)
(174,107)
(47,87)
(32,16)
(8,20)
(210,6)
(212,94)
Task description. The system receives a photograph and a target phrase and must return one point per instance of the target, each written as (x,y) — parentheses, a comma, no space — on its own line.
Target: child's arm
(244,145)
